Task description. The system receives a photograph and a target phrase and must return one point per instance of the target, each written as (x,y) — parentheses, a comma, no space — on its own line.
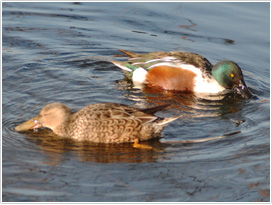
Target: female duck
(100,123)
(184,71)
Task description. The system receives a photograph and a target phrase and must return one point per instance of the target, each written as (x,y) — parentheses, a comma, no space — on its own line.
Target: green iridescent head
(229,75)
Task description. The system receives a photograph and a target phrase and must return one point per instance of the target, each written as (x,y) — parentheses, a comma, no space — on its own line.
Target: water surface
(60,52)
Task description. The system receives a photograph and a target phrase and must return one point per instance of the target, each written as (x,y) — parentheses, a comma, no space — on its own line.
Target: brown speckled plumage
(101,123)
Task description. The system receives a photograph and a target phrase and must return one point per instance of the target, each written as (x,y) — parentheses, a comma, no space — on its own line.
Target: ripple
(62,53)
(34,192)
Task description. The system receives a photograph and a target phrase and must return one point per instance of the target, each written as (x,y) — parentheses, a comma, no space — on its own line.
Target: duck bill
(29,125)
(242,90)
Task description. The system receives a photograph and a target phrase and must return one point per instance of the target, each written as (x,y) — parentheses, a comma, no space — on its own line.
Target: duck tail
(164,122)
(119,64)
(129,53)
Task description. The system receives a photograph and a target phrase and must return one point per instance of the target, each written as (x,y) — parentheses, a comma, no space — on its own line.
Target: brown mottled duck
(100,123)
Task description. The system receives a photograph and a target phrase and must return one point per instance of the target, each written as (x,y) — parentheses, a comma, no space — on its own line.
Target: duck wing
(172,59)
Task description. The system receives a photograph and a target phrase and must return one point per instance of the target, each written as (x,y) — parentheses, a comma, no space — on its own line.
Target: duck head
(229,75)
(51,116)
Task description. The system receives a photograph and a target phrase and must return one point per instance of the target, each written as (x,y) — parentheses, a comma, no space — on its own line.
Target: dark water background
(59,52)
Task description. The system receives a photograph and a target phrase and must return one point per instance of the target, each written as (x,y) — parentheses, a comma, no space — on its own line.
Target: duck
(183,72)
(100,123)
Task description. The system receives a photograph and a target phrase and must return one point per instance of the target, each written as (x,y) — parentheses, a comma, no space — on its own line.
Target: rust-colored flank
(171,78)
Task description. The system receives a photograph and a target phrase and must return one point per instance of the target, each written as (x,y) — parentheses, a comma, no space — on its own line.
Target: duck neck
(62,130)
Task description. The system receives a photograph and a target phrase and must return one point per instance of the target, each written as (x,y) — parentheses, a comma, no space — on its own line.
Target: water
(60,52)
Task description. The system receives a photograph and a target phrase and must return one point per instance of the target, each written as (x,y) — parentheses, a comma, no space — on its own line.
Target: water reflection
(58,52)
(188,104)
(193,37)
(55,147)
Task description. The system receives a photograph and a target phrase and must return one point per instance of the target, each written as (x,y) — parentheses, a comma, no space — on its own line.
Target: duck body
(100,123)
(183,71)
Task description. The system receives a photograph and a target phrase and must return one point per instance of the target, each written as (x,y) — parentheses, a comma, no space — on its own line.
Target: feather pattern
(175,70)
(100,123)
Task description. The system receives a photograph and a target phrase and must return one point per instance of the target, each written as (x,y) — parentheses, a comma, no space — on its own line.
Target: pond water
(60,52)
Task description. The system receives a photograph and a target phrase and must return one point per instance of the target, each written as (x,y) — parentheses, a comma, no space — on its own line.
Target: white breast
(138,75)
(202,85)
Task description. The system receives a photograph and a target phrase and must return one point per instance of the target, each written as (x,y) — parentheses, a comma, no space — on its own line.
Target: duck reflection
(56,149)
(188,104)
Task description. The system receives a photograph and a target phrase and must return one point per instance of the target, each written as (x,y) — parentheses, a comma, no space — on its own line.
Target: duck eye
(232,75)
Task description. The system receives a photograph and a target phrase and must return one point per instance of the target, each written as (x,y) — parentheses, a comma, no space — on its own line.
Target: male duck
(100,123)
(184,71)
